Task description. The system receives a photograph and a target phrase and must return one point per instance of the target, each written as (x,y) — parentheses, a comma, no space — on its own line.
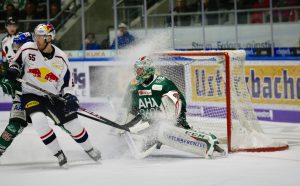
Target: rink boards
(274,87)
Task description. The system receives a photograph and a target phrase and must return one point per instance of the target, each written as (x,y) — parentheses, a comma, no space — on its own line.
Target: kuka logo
(43,74)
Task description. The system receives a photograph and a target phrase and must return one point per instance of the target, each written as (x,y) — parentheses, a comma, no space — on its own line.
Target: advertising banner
(81,79)
(274,84)
(274,88)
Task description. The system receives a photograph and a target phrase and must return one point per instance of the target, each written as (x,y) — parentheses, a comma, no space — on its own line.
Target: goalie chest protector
(146,99)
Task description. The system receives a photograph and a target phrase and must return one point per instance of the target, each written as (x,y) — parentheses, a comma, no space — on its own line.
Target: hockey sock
(78,133)
(11,131)
(47,135)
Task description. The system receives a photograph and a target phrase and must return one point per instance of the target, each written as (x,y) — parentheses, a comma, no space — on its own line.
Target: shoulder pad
(160,79)
(2,39)
(59,52)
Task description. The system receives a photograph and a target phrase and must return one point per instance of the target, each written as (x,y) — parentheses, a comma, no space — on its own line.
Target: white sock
(47,135)
(78,133)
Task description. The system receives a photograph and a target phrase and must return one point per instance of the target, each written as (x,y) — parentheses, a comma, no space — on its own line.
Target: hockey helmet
(45,30)
(22,38)
(146,64)
(11,21)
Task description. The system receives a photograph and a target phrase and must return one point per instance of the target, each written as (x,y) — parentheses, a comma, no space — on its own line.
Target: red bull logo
(43,74)
(35,72)
(51,77)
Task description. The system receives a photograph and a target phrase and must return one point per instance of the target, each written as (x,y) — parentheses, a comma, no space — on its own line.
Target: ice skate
(94,154)
(62,159)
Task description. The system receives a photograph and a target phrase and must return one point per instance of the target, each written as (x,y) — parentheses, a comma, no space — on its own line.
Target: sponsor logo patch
(58,65)
(145,92)
(32,104)
(6,136)
(12,128)
(157,87)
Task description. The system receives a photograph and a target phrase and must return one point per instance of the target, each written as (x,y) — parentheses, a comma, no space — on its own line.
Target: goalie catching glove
(171,105)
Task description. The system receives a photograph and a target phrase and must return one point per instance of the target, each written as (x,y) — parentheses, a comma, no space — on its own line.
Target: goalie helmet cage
(203,76)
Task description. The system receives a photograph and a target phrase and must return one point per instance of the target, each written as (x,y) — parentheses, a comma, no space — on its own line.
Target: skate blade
(65,166)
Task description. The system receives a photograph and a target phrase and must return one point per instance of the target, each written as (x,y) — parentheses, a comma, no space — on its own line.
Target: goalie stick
(133,148)
(95,117)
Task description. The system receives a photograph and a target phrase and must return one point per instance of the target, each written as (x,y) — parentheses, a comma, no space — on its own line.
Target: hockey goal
(218,99)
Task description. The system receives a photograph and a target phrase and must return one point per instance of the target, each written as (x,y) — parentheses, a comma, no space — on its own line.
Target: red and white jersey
(53,75)
(7,47)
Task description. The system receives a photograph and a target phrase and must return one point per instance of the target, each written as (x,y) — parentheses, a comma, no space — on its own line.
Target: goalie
(163,110)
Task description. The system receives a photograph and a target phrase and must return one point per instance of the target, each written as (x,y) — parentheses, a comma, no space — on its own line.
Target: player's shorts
(52,107)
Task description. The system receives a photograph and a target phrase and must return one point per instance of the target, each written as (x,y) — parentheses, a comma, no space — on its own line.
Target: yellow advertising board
(267,84)
(270,84)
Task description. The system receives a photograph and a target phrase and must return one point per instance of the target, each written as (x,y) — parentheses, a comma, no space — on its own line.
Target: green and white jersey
(146,99)
(7,54)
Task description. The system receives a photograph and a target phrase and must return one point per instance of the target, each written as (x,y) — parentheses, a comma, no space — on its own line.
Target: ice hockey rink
(28,162)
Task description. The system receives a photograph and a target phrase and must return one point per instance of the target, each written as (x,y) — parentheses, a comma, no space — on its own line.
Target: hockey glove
(71,103)
(7,87)
(12,73)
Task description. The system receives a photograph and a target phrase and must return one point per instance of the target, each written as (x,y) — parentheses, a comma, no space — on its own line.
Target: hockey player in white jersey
(47,67)
(163,110)
(11,26)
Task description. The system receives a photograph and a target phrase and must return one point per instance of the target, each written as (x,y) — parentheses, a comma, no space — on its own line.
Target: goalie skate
(218,153)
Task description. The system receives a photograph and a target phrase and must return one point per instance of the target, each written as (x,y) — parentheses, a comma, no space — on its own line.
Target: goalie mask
(144,69)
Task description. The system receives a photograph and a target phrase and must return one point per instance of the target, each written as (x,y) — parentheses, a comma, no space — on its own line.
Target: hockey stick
(95,117)
(133,148)
(137,154)
(110,123)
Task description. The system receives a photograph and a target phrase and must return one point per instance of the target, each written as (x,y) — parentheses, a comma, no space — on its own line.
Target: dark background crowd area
(37,9)
(27,10)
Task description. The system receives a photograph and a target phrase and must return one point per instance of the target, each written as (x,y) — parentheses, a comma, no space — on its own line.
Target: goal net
(218,99)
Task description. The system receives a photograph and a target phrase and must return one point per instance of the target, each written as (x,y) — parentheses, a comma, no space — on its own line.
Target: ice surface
(28,162)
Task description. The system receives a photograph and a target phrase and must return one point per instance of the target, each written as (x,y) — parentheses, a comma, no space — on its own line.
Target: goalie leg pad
(179,139)
(195,142)
(210,140)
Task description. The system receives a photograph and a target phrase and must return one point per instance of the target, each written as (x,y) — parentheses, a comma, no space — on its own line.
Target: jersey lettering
(145,103)
(31,57)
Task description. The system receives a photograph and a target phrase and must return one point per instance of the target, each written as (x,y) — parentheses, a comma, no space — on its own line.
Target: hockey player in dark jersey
(157,99)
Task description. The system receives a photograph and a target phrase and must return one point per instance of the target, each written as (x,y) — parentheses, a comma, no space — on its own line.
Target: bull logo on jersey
(43,74)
